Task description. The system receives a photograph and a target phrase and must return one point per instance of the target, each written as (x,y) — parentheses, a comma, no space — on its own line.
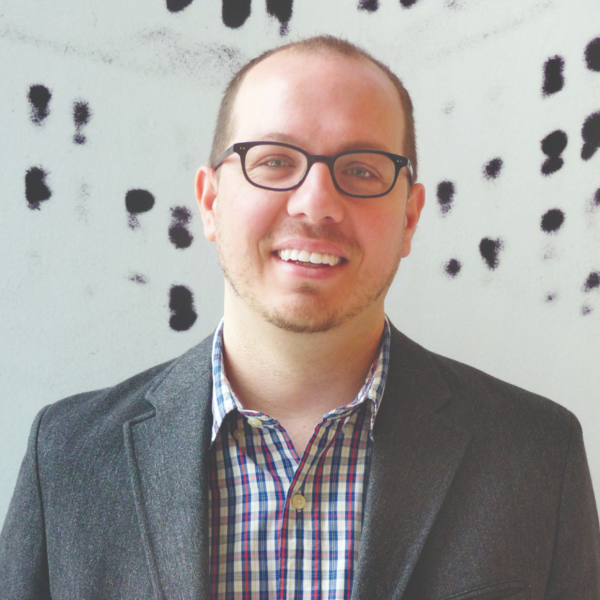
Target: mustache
(323,232)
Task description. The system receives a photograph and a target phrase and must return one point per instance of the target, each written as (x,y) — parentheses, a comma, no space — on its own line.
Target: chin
(303,323)
(311,318)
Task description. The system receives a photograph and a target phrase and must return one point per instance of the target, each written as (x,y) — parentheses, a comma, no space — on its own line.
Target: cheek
(244,220)
(385,233)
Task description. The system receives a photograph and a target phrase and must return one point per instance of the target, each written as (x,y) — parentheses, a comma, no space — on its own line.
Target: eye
(271,160)
(360,172)
(276,162)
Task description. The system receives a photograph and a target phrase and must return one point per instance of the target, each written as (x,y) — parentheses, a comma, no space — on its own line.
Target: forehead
(319,99)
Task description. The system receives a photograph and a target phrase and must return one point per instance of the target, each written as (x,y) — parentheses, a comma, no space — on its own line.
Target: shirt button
(254,422)
(298,501)
(347,429)
(238,434)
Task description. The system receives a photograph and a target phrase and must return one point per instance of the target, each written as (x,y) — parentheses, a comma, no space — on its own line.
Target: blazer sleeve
(23,555)
(575,571)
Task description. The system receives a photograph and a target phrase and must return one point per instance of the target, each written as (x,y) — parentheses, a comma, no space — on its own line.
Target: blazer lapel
(415,456)
(168,452)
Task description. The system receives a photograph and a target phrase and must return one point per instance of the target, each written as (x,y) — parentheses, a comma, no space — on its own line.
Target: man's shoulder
(477,385)
(483,404)
(480,389)
(96,413)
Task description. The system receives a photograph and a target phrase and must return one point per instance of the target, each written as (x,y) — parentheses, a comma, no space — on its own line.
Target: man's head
(224,129)
(347,249)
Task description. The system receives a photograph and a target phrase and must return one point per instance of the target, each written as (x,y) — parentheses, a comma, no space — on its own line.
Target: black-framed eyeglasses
(283,167)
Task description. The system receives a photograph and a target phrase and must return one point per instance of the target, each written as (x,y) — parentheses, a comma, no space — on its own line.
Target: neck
(297,378)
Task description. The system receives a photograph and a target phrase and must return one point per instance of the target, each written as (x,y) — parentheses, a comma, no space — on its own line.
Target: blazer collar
(416,453)
(168,451)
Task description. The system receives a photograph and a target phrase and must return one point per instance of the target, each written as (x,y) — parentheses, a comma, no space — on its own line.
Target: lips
(309,258)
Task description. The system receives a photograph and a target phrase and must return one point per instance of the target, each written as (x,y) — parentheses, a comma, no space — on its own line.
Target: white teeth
(315,258)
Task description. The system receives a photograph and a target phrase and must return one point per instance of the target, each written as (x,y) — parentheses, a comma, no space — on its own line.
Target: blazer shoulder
(98,411)
(482,403)
(485,391)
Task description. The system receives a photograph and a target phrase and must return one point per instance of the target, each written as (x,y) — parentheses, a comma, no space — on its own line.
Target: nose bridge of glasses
(318,198)
(311,159)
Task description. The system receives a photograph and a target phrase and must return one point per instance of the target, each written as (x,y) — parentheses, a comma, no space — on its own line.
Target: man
(307,449)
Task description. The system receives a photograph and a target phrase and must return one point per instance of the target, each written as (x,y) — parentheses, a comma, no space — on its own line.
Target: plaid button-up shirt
(281,525)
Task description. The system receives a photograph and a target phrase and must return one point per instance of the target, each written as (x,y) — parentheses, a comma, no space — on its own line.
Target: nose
(317,198)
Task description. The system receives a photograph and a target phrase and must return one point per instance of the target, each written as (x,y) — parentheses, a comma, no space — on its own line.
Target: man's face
(324,104)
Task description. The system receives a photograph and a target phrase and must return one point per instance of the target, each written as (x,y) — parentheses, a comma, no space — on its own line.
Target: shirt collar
(225,401)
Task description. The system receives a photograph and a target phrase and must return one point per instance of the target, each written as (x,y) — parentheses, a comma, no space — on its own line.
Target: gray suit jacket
(477,489)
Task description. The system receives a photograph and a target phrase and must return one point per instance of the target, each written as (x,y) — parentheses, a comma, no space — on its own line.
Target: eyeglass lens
(358,173)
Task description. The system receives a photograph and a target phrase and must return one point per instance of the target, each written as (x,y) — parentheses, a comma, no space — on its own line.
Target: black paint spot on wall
(81,116)
(586,310)
(178,232)
(590,132)
(493,168)
(282,10)
(138,278)
(552,220)
(235,12)
(39,99)
(181,304)
(552,146)
(408,3)
(36,188)
(592,55)
(597,197)
(136,202)
(368,5)
(452,267)
(554,80)
(178,5)
(489,250)
(592,282)
(445,195)
(551,297)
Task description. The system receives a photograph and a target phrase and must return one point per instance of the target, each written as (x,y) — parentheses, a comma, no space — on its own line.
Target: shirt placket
(299,551)
(267,448)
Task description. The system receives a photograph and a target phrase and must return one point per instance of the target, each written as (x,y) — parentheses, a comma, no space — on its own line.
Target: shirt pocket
(502,590)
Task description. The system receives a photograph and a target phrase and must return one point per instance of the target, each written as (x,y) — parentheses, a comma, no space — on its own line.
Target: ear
(206,195)
(414,206)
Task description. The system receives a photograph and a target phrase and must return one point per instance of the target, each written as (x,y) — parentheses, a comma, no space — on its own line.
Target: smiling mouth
(309,259)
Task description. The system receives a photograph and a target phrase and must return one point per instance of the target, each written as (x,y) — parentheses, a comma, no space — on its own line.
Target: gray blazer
(477,489)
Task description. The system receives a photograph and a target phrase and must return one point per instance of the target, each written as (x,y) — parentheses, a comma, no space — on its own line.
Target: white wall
(74,319)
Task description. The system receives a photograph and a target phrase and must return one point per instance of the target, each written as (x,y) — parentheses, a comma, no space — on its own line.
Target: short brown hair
(322,43)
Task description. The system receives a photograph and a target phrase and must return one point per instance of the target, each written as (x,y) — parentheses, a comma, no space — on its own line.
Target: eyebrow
(289,139)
